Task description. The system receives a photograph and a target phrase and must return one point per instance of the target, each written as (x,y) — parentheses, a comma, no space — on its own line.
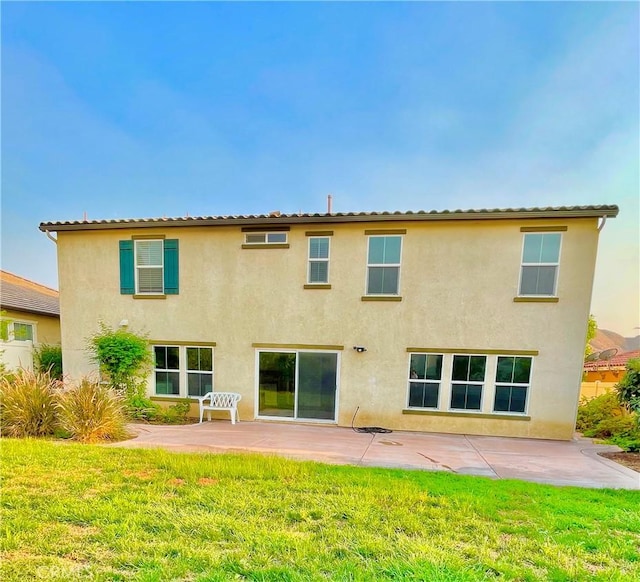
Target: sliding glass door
(299,385)
(276,383)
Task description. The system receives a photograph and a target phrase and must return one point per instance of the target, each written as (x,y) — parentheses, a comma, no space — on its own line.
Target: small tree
(4,326)
(592,328)
(629,386)
(123,356)
(4,336)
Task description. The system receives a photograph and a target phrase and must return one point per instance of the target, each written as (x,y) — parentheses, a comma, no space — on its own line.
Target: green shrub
(27,404)
(49,359)
(591,412)
(604,417)
(92,412)
(140,407)
(174,414)
(623,425)
(123,356)
(629,387)
(630,444)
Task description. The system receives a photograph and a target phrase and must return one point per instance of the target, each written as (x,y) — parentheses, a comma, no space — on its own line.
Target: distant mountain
(606,339)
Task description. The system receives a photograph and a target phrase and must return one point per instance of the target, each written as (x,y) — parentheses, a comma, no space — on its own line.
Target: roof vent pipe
(329,203)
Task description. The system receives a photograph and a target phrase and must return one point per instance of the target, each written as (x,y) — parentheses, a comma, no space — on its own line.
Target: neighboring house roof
(276,218)
(19,294)
(618,361)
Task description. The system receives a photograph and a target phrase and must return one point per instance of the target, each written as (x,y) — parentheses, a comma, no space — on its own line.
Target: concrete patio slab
(573,462)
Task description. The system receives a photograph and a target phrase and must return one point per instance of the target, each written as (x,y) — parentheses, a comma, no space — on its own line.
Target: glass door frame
(295,418)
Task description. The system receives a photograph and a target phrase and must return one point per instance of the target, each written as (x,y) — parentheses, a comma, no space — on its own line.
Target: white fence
(17,354)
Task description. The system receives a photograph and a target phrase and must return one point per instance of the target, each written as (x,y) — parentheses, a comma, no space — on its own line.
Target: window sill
(381,298)
(525,299)
(317,286)
(169,398)
(266,246)
(159,296)
(470,414)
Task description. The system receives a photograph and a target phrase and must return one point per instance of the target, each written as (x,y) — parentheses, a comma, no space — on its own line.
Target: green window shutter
(171,270)
(127,275)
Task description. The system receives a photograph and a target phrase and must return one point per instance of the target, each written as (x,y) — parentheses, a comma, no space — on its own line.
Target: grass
(84,512)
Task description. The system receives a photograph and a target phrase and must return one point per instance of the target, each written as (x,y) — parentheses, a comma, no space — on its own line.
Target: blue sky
(125,110)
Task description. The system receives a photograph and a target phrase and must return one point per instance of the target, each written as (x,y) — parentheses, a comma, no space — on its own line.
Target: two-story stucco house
(466,321)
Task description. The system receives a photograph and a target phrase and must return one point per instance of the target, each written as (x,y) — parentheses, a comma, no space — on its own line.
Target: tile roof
(275,218)
(618,361)
(19,294)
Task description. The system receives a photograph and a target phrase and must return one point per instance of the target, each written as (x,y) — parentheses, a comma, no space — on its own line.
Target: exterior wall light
(359,349)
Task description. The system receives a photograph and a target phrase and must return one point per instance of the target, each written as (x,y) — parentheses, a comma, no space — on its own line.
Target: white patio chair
(220,401)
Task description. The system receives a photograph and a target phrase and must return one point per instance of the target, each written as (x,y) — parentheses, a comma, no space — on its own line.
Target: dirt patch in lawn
(631,460)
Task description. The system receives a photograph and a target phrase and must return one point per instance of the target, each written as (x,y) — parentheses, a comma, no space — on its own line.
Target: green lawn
(78,512)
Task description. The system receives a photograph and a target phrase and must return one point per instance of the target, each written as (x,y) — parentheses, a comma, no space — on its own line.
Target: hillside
(606,339)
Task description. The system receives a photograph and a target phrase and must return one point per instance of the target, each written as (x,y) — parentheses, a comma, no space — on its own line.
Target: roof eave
(33,311)
(290,219)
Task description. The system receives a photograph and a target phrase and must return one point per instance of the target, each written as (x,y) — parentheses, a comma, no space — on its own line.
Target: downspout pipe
(602,222)
(55,240)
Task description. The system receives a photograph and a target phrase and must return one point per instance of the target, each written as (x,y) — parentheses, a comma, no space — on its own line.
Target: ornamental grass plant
(92,412)
(28,404)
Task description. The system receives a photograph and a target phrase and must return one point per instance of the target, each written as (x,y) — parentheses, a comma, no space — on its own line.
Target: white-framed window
(488,383)
(149,266)
(383,265)
(318,270)
(425,376)
(265,238)
(184,371)
(467,382)
(23,331)
(513,379)
(540,264)
(199,370)
(167,370)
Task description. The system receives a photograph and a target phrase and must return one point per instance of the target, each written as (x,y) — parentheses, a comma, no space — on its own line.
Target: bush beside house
(615,416)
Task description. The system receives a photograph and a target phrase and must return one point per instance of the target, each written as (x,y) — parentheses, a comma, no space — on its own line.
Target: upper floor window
(383,265)
(467,381)
(318,259)
(149,267)
(540,262)
(261,238)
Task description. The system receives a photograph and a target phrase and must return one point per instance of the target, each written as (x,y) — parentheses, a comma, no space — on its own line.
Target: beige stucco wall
(458,281)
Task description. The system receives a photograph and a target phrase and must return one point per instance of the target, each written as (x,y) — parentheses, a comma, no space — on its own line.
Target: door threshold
(297,420)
